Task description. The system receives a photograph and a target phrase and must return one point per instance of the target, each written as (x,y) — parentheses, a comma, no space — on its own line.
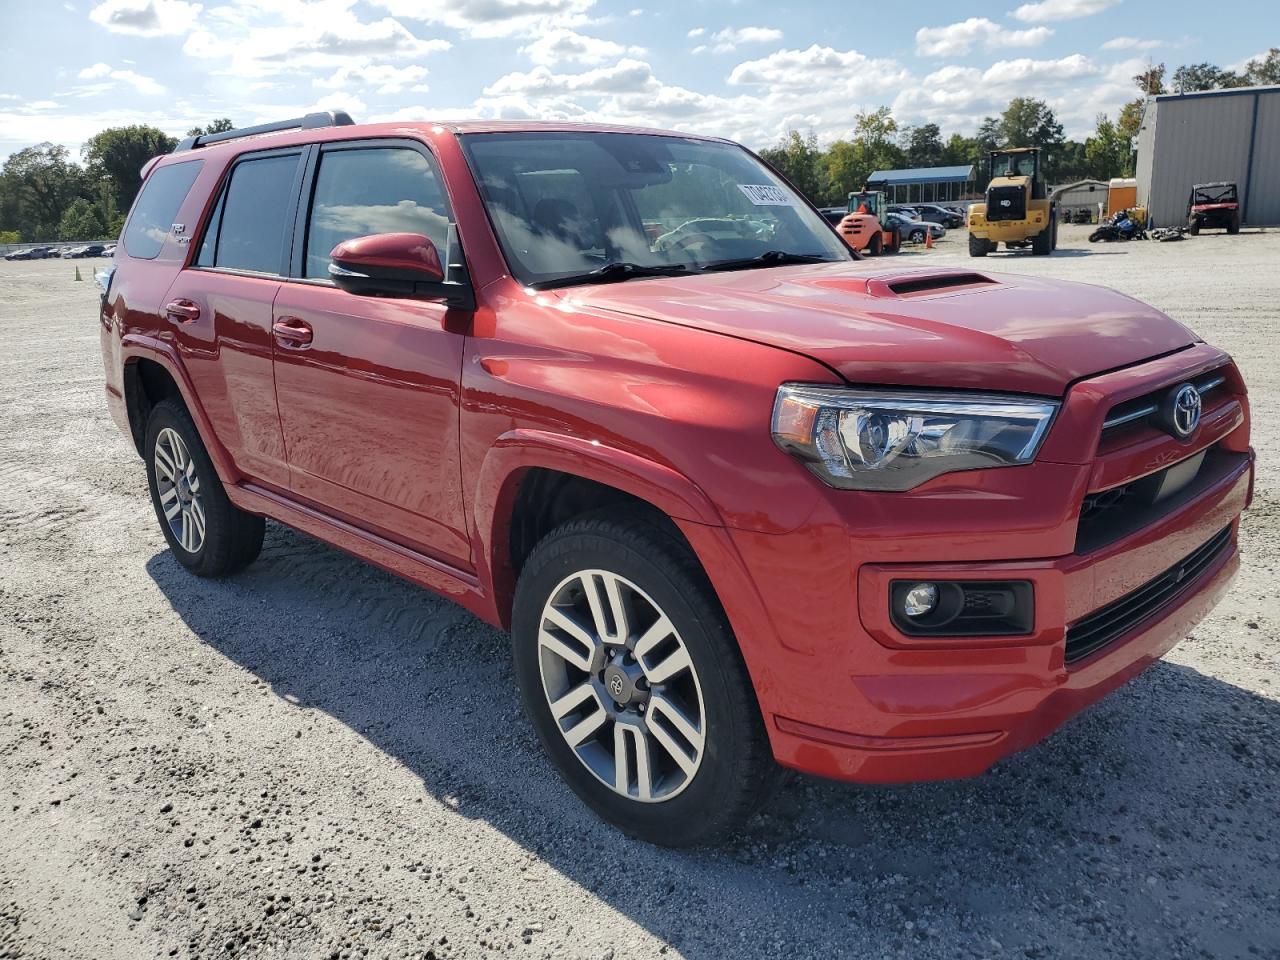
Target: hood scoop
(910,285)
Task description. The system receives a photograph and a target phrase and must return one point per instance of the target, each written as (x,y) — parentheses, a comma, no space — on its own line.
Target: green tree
(36,185)
(1204,76)
(221,125)
(10,236)
(119,153)
(80,222)
(923,145)
(1264,70)
(797,157)
(1108,153)
(1151,81)
(1130,121)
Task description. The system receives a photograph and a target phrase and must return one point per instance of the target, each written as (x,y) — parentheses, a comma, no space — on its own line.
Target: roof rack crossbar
(312,121)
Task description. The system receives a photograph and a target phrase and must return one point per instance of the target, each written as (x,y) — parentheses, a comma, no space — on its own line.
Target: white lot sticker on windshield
(767,195)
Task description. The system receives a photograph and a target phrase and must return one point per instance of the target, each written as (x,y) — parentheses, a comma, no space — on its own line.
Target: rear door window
(157,205)
(248,229)
(372,190)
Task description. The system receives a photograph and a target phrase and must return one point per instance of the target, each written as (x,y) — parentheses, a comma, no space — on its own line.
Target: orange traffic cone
(928,239)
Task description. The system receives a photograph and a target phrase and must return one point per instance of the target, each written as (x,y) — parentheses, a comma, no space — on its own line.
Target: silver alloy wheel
(179,489)
(621,686)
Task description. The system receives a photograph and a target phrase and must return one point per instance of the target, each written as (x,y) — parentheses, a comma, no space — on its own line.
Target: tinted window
(157,205)
(382,190)
(250,225)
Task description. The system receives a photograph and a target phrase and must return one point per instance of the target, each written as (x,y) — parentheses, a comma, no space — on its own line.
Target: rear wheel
(978,246)
(916,236)
(1233,225)
(1193,226)
(634,682)
(208,534)
(876,246)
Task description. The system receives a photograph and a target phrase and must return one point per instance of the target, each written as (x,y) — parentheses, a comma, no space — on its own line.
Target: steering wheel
(685,242)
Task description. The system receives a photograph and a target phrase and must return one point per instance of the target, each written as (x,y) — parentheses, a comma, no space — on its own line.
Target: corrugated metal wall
(1263,202)
(1198,139)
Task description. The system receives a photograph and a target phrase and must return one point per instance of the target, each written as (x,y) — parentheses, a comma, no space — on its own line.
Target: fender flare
(520,450)
(134,347)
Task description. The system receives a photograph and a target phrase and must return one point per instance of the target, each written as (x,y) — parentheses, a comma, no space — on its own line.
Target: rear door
(368,386)
(220,308)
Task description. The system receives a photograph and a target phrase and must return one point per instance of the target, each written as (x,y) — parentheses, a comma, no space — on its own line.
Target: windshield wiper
(770,258)
(613,272)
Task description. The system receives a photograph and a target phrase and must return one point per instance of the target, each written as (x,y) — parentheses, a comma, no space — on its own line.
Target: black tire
(978,246)
(737,772)
(894,245)
(1098,235)
(232,539)
(1193,226)
(1042,242)
(876,246)
(1233,225)
(1053,231)
(916,236)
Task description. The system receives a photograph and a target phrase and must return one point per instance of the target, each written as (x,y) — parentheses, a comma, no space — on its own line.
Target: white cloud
(959,38)
(566,46)
(696,32)
(626,76)
(815,66)
(383,78)
(146,18)
(493,18)
(731,38)
(1048,10)
(276,37)
(1023,70)
(337,101)
(112,76)
(1131,43)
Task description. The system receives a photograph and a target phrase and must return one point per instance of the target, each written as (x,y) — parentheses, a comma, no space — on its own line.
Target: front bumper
(845,695)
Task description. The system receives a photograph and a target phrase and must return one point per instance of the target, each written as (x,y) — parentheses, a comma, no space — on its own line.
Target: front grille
(1006,203)
(1136,607)
(1145,407)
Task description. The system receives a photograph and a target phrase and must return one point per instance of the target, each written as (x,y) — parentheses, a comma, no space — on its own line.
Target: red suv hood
(942,328)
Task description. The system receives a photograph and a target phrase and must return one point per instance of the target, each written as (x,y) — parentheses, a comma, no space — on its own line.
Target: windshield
(565,204)
(1013,165)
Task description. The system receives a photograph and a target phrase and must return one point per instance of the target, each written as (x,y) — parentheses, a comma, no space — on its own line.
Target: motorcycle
(1119,227)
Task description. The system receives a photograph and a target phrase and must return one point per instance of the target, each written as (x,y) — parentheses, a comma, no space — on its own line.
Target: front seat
(559,218)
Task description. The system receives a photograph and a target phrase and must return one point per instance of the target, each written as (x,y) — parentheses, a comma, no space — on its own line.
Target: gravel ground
(314,759)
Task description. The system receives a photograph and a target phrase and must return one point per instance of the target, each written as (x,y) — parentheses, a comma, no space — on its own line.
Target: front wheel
(978,246)
(207,533)
(632,678)
(917,236)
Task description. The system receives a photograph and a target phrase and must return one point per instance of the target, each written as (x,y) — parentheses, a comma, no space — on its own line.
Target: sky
(745,69)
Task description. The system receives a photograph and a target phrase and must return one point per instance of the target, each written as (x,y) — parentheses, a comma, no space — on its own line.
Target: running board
(451,582)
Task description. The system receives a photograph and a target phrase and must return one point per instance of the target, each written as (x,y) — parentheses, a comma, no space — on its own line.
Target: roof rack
(312,121)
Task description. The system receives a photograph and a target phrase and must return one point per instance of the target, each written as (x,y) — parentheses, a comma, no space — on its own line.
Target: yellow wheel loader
(1017,211)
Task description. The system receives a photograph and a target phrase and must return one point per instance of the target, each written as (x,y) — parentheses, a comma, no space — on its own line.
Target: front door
(368,387)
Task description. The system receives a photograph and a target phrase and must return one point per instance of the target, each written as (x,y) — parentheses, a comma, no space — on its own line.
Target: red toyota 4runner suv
(740,499)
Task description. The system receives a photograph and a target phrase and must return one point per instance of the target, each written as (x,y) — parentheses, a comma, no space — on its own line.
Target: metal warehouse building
(1191,138)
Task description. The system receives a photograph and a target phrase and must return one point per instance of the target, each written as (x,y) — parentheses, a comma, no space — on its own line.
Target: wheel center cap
(619,684)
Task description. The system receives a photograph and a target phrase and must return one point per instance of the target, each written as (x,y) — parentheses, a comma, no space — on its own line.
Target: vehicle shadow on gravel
(1138,828)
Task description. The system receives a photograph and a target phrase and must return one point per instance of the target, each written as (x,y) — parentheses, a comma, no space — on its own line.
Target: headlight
(896,440)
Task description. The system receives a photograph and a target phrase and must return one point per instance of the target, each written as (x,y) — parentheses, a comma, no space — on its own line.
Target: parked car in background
(109,250)
(80,253)
(833,215)
(741,499)
(944,215)
(31,253)
(904,210)
(913,231)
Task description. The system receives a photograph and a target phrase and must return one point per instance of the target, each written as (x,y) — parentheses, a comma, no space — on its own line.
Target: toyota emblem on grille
(1186,410)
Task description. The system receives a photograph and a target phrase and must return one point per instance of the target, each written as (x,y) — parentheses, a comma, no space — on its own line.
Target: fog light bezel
(949,618)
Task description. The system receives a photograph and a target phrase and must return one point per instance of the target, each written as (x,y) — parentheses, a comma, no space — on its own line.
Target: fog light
(920,599)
